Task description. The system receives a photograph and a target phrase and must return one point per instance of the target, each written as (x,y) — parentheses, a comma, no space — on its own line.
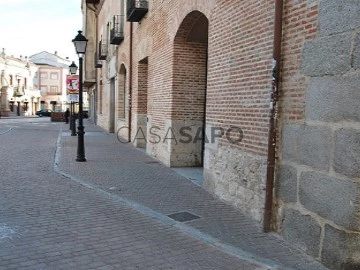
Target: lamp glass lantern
(80,42)
(73,68)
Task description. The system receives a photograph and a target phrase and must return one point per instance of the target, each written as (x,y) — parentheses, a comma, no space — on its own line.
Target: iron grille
(117,31)
(103,50)
(136,9)
(97,62)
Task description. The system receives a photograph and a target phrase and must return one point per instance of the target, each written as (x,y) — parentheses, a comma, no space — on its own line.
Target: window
(11,80)
(54,89)
(53,76)
(43,75)
(43,89)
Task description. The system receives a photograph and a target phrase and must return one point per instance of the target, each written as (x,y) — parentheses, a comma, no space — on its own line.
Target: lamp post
(80,43)
(73,69)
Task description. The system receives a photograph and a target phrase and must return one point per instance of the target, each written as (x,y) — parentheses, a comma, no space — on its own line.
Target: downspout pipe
(130,79)
(94,113)
(97,86)
(270,173)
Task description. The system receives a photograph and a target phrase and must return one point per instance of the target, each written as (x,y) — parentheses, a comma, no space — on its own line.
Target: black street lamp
(80,43)
(73,69)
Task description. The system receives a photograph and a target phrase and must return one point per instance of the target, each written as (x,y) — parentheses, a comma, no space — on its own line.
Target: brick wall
(141,105)
(239,70)
(189,83)
(300,25)
(154,39)
(239,84)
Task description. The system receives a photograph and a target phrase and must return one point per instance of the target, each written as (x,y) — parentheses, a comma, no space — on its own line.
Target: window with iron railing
(98,63)
(117,30)
(54,89)
(19,91)
(136,10)
(103,50)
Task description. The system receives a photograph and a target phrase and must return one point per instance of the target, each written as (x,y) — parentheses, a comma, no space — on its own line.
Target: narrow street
(48,221)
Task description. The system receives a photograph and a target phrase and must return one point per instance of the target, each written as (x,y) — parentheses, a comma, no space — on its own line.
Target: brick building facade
(183,66)
(51,80)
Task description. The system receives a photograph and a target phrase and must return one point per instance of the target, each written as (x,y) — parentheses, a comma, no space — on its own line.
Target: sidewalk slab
(131,177)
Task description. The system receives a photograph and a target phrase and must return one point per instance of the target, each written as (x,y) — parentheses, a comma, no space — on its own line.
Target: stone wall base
(236,177)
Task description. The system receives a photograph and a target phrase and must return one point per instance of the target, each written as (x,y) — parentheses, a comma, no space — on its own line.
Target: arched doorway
(189,91)
(112,106)
(122,92)
(121,101)
(140,138)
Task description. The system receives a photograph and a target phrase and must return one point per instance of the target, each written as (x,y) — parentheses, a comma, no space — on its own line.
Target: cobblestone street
(111,212)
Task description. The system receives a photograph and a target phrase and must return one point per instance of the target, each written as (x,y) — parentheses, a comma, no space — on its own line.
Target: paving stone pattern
(110,212)
(129,173)
(50,222)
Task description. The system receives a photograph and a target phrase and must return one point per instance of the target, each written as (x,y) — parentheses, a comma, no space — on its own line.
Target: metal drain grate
(152,162)
(183,216)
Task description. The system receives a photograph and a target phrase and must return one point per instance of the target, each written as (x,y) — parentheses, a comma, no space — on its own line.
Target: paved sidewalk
(132,178)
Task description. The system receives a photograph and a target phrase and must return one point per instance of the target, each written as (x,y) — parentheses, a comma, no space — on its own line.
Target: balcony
(19,91)
(92,2)
(136,10)
(103,50)
(117,32)
(98,63)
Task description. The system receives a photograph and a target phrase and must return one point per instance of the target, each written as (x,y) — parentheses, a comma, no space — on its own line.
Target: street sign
(72,84)
(73,98)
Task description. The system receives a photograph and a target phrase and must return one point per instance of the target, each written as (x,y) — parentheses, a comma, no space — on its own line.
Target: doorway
(112,106)
(189,89)
(141,133)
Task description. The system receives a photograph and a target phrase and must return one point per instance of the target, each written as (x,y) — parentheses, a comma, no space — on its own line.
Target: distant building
(18,94)
(51,80)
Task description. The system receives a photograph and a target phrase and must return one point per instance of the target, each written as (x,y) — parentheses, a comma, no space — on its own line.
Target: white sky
(32,26)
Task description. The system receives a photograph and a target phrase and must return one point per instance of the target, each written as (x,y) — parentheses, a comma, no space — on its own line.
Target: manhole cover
(183,216)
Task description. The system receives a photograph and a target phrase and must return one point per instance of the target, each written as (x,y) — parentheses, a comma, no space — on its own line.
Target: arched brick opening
(122,101)
(189,91)
(112,106)
(141,103)
(122,92)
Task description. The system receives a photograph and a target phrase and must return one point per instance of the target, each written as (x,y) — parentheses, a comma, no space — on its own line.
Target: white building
(19,95)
